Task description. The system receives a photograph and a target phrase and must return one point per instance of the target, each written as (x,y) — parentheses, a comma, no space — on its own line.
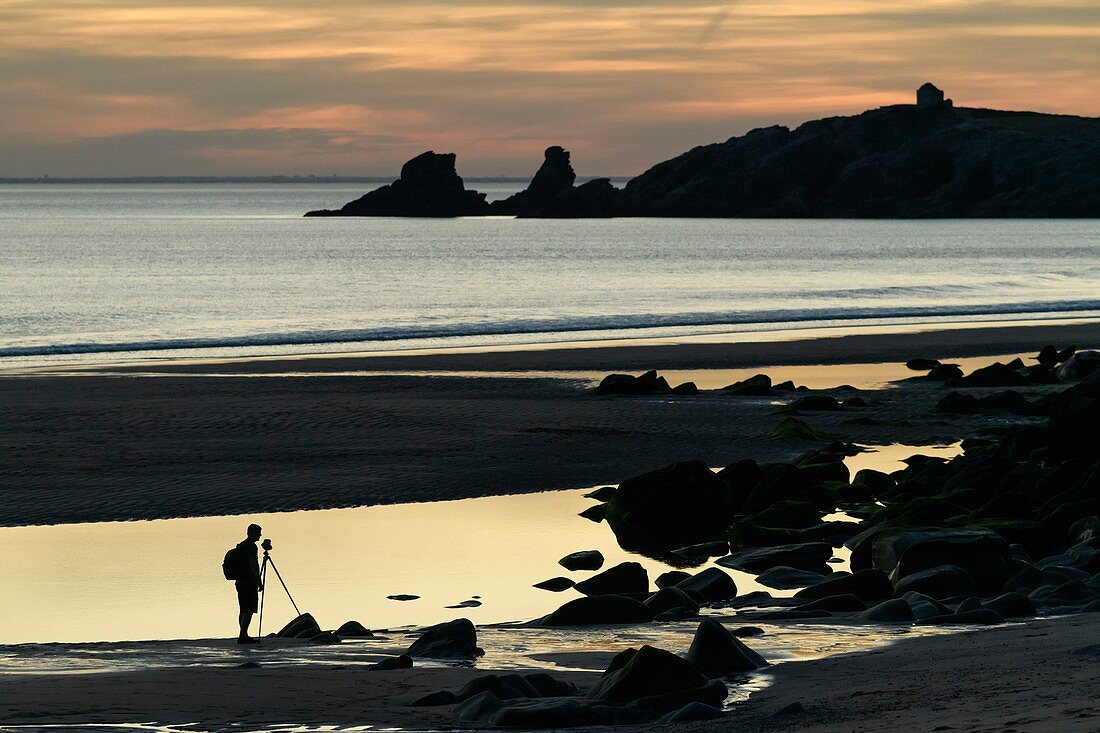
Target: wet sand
(1038,676)
(189,442)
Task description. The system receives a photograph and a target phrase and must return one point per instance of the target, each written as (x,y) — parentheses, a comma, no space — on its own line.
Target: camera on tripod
(266,544)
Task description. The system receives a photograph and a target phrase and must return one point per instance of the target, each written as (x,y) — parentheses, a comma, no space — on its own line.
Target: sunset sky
(136,87)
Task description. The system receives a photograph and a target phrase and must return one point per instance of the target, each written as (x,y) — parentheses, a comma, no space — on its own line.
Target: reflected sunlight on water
(161,579)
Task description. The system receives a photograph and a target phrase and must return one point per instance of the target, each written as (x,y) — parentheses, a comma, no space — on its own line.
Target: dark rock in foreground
(302,627)
(451,640)
(598,611)
(623,579)
(583,560)
(805,556)
(717,653)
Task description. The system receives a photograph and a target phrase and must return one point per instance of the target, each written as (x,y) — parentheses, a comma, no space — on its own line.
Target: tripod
(268,560)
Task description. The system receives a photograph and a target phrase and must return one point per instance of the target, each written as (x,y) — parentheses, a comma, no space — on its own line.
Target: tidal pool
(148,580)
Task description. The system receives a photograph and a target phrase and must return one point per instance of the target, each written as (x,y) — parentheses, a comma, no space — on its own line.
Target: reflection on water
(865,376)
(161,579)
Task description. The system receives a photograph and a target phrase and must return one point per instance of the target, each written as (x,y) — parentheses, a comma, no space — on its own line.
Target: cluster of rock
(306,627)
(430,186)
(902,161)
(622,595)
(1008,528)
(639,686)
(648,383)
(451,641)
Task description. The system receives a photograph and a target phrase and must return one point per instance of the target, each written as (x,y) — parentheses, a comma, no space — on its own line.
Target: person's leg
(245,619)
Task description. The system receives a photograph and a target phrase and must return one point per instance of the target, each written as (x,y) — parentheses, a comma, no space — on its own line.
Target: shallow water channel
(161,579)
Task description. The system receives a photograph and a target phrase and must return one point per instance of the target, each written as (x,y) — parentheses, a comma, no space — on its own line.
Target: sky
(324,87)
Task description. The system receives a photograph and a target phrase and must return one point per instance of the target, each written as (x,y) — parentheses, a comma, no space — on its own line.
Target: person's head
(253,532)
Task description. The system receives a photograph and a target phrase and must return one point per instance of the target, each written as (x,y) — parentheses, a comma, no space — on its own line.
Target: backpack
(233,566)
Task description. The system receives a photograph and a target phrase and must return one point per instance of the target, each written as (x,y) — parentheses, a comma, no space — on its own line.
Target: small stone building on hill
(931,96)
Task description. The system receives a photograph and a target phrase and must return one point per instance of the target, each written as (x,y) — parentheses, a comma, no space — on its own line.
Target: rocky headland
(901,161)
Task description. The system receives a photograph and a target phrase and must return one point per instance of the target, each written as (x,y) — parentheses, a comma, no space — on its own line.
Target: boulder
(944,581)
(598,610)
(548,686)
(302,627)
(785,515)
(671,577)
(479,708)
(687,389)
(895,610)
(787,578)
(759,385)
(325,637)
(944,373)
(450,640)
(583,560)
(682,504)
(603,493)
(502,687)
(555,585)
(595,513)
(434,699)
(625,384)
(1011,605)
(623,579)
(429,186)
(401,661)
(1075,423)
(986,556)
(1079,366)
(921,364)
(667,599)
(657,680)
(811,556)
(792,427)
(785,482)
(876,481)
(712,584)
(353,628)
(959,404)
(994,375)
(867,585)
(717,653)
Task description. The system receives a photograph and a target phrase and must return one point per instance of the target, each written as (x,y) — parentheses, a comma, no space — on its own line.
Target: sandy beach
(1038,676)
(190,439)
(231,437)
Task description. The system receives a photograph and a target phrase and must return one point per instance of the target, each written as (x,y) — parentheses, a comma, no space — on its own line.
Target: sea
(95,272)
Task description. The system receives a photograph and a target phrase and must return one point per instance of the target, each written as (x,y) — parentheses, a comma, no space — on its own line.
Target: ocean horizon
(93,272)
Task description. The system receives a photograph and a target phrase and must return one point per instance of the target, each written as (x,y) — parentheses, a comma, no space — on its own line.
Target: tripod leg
(280,577)
(263,579)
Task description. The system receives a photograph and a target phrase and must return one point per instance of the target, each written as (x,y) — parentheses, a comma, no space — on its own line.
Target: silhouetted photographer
(242,566)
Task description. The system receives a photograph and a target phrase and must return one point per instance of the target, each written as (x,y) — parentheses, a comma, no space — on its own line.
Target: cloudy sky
(145,87)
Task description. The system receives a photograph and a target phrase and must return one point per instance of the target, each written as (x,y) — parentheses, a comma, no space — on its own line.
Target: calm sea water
(92,270)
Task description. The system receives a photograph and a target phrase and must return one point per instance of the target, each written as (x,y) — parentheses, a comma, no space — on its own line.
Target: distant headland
(925,160)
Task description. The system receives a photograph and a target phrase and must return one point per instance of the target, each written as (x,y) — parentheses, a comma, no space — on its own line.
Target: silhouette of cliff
(894,162)
(429,186)
(903,161)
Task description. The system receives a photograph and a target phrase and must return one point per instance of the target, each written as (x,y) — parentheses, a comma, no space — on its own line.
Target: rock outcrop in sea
(901,161)
(429,186)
